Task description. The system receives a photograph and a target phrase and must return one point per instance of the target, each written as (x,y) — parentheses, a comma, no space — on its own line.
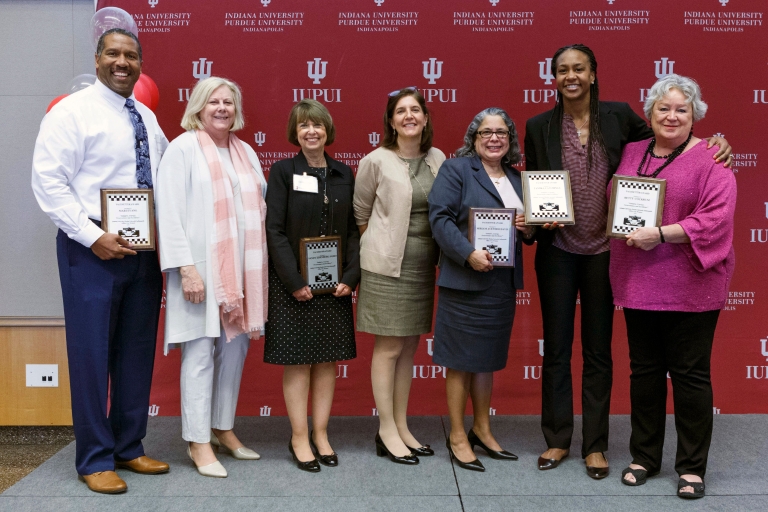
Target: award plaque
(130,213)
(547,197)
(321,263)
(636,202)
(493,230)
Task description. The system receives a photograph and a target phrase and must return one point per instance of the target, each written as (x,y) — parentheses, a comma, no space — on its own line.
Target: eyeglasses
(395,93)
(487,134)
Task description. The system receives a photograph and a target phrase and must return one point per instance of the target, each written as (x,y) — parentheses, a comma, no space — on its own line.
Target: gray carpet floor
(736,476)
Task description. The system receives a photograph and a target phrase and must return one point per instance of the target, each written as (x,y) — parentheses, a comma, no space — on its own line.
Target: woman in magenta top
(672,282)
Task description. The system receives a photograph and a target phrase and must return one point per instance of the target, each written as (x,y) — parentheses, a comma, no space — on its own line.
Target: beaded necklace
(669,158)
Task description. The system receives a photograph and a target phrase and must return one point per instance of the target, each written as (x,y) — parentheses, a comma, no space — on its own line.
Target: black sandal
(641,475)
(698,489)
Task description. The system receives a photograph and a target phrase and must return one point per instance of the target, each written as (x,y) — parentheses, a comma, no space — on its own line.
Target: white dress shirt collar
(110,96)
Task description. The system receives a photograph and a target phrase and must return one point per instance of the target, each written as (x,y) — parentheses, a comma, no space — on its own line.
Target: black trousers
(679,343)
(111,310)
(561,276)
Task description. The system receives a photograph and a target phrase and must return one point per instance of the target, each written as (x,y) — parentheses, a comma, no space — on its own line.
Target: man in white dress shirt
(98,138)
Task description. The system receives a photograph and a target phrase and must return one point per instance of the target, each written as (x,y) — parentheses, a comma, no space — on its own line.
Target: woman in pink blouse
(672,282)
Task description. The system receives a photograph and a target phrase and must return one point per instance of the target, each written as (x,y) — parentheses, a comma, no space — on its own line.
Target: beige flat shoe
(241,453)
(214,469)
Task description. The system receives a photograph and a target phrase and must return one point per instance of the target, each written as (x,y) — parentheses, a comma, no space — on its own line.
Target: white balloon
(111,17)
(80,82)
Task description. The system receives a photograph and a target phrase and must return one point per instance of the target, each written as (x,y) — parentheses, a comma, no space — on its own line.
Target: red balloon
(142,94)
(153,90)
(55,101)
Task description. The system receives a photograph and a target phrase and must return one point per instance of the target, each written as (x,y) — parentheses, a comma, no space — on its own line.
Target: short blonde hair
(199,97)
(310,110)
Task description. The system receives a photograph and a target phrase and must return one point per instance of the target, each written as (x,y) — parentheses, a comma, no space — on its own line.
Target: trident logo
(544,71)
(374,139)
(492,411)
(152,3)
(379,2)
(260,138)
(494,2)
(265,410)
(541,348)
(433,69)
(265,2)
(723,2)
(154,409)
(316,69)
(610,2)
(374,411)
(764,348)
(430,343)
(662,69)
(202,71)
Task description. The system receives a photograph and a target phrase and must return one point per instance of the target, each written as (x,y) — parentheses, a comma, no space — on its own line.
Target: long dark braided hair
(595,135)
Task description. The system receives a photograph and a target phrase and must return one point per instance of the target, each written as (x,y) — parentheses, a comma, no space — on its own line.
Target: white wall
(43,45)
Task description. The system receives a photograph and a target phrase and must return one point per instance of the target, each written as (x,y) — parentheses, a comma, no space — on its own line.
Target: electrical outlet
(42,375)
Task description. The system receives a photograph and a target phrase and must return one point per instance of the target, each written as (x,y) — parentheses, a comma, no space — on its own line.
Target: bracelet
(661,235)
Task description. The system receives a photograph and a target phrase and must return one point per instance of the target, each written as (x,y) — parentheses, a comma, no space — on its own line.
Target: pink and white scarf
(241,309)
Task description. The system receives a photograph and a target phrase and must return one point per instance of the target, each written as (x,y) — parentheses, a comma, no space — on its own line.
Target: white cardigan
(184,206)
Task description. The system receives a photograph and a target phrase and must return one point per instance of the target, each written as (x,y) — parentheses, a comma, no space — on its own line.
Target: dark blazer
(619,125)
(292,215)
(461,184)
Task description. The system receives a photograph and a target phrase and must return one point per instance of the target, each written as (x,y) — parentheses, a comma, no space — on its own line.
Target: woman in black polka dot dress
(309,195)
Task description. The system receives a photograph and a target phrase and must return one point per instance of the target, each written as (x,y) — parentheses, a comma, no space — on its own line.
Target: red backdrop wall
(466,55)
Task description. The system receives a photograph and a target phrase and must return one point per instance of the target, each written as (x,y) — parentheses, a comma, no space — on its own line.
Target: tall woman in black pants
(585,136)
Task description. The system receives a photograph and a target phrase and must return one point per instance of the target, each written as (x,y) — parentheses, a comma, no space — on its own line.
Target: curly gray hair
(685,85)
(468,149)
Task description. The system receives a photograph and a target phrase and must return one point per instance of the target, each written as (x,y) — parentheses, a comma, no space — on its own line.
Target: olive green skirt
(400,306)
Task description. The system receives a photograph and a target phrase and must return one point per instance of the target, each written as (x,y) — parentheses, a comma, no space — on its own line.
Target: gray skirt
(400,306)
(472,329)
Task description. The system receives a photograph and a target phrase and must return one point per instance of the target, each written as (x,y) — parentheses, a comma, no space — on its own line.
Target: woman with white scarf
(210,211)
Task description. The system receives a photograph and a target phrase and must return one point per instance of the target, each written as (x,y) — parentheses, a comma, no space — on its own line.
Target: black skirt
(472,329)
(320,330)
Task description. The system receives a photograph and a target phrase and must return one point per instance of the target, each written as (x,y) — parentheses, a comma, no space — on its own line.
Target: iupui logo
(610,2)
(430,346)
(260,138)
(265,410)
(760,96)
(152,3)
(545,71)
(723,2)
(760,235)
(759,372)
(494,2)
(265,2)
(201,69)
(341,371)
(316,71)
(433,71)
(154,410)
(374,139)
(542,95)
(541,348)
(378,2)
(664,67)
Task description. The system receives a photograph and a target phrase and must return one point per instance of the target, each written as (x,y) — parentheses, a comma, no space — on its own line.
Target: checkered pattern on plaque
(636,185)
(546,177)
(496,257)
(128,197)
(322,245)
(494,216)
(549,214)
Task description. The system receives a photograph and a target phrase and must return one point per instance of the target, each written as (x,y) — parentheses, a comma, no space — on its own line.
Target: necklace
(578,130)
(325,182)
(669,158)
(412,173)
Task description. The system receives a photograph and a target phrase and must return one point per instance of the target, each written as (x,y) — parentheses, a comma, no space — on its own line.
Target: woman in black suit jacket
(476,301)
(310,196)
(585,136)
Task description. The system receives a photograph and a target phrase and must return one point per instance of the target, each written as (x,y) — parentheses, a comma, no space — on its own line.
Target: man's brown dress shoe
(106,482)
(144,465)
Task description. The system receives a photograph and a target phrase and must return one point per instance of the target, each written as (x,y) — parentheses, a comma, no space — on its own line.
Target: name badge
(304,183)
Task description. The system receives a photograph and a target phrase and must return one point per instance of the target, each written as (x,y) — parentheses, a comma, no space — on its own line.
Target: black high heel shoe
(500,455)
(424,451)
(382,450)
(474,465)
(331,460)
(311,465)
